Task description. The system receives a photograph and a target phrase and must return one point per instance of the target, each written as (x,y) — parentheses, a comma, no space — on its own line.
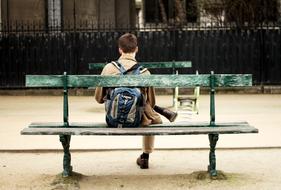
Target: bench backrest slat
(162,81)
(150,65)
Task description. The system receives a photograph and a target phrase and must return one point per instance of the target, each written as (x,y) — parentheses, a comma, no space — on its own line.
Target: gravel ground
(175,169)
(16,112)
(244,161)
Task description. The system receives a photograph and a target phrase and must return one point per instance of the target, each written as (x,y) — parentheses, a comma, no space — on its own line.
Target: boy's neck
(130,55)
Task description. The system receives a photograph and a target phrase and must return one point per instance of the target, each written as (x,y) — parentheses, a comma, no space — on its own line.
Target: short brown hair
(128,43)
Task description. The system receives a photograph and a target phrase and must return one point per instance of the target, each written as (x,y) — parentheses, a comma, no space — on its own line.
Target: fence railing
(88,26)
(27,49)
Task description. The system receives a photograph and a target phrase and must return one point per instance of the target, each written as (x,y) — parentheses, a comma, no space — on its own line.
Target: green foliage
(241,12)
(251,11)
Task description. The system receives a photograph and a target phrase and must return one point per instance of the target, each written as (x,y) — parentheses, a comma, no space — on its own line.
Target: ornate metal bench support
(213,138)
(67,168)
(65,139)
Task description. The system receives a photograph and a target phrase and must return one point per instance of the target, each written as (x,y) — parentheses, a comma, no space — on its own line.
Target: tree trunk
(279,10)
(162,11)
(180,14)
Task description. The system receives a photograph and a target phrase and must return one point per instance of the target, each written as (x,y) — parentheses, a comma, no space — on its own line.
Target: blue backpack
(125,105)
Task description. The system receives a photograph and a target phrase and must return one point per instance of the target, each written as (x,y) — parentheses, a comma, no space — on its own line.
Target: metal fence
(228,49)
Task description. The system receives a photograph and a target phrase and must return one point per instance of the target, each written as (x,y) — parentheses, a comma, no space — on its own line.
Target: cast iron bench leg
(213,138)
(67,168)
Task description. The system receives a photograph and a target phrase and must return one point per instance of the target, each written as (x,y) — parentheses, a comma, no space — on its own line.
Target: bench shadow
(198,179)
(66,183)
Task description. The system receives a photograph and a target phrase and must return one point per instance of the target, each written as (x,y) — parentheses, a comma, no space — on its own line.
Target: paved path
(117,170)
(16,112)
(249,169)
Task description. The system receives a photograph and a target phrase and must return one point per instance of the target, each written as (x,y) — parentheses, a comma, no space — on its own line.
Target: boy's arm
(151,96)
(99,95)
(100,92)
(150,92)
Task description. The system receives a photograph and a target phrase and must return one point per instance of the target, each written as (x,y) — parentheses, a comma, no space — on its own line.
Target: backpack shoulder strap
(119,66)
(135,69)
(143,69)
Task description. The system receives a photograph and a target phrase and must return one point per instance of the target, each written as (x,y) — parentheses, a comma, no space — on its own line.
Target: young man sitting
(128,48)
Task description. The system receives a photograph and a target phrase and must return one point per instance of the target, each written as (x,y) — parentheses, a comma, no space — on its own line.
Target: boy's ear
(120,51)
(137,49)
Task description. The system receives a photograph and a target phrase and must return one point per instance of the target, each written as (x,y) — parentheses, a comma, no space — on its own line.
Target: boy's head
(128,43)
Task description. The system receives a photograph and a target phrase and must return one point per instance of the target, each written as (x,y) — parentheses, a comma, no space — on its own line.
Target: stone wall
(114,13)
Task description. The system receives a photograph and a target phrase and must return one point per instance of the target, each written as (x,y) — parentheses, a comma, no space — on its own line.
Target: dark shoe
(142,162)
(170,115)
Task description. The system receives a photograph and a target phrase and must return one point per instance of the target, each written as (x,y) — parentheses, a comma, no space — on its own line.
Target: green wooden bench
(66,128)
(174,65)
(152,65)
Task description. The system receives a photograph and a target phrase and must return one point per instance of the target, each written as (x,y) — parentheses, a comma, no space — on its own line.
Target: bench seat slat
(140,131)
(178,128)
(104,125)
(161,81)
